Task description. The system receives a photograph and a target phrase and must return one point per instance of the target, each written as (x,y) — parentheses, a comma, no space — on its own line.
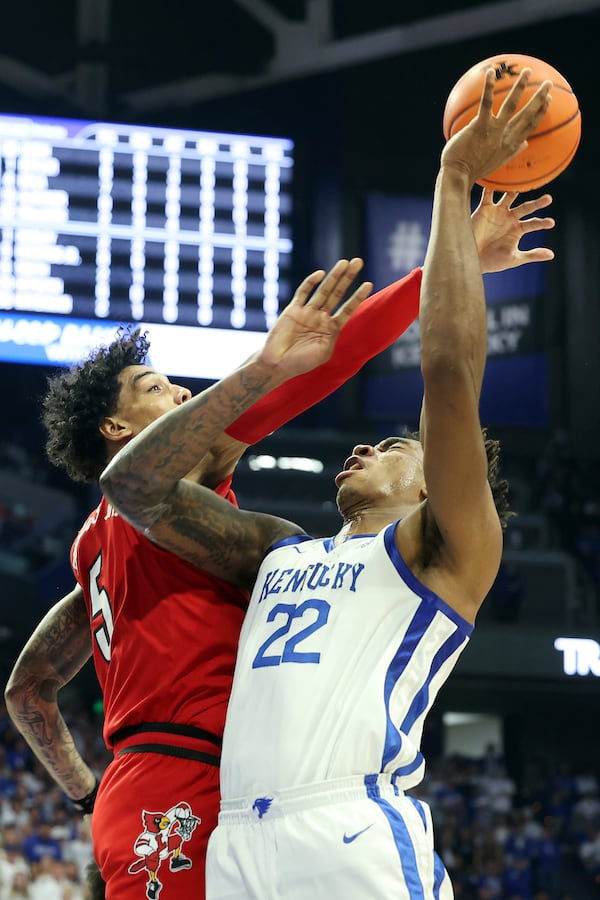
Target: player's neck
(364,522)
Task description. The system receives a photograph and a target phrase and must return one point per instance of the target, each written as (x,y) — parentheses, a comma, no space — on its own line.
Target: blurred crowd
(499,840)
(30,539)
(45,845)
(568,495)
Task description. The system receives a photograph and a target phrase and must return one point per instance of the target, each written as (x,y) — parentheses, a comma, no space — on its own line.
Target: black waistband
(166,728)
(168,750)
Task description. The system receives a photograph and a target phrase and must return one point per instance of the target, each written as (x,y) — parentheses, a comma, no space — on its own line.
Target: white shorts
(352,838)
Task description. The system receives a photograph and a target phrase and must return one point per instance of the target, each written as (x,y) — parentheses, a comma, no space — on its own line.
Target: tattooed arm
(144,477)
(53,655)
(216,536)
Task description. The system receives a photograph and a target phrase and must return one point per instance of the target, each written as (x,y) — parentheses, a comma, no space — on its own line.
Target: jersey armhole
(417,586)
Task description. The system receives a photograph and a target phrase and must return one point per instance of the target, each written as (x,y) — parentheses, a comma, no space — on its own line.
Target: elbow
(137,500)
(125,494)
(446,365)
(26,693)
(108,484)
(125,485)
(14,695)
(447,376)
(114,479)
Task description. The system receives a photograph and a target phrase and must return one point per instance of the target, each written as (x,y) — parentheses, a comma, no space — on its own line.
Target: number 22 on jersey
(315,614)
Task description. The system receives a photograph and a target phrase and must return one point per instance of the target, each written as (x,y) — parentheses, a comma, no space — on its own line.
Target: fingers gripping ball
(552,145)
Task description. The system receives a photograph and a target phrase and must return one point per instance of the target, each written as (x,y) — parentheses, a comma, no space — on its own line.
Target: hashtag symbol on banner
(406,246)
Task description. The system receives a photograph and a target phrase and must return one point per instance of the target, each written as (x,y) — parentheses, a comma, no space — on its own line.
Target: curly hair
(78,400)
(499,486)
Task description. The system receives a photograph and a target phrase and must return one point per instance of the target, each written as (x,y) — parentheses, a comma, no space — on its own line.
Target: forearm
(453,314)
(377,323)
(39,721)
(145,472)
(54,654)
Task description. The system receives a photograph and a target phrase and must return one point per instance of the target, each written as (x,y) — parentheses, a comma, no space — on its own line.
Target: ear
(423,493)
(114,429)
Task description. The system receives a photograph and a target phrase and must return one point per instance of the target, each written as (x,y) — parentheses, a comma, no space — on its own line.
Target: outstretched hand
(489,141)
(498,228)
(305,333)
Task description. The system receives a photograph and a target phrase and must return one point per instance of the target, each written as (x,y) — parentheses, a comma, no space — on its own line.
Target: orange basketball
(552,145)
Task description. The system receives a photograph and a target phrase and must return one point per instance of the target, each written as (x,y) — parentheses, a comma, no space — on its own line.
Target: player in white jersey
(347,640)
(341,655)
(306,596)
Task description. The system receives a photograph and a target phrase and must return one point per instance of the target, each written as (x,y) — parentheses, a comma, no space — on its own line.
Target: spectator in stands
(13,810)
(50,882)
(549,856)
(41,844)
(19,887)
(589,851)
(77,850)
(12,861)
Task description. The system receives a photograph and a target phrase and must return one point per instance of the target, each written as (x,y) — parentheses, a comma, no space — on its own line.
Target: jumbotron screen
(186,232)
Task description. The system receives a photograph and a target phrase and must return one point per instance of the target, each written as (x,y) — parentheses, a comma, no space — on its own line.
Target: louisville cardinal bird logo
(162,838)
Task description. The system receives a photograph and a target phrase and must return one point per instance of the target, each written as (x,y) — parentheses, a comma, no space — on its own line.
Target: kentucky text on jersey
(313,576)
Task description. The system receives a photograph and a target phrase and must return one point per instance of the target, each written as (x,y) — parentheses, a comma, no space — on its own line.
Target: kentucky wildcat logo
(262,805)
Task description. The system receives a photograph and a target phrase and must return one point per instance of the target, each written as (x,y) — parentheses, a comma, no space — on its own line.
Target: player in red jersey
(163,633)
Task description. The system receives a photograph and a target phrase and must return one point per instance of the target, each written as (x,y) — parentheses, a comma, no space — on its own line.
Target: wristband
(86,804)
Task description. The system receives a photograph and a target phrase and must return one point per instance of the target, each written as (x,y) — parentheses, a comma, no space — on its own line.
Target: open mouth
(352,464)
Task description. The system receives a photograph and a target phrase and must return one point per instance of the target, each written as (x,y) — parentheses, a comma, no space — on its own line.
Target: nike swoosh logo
(348,838)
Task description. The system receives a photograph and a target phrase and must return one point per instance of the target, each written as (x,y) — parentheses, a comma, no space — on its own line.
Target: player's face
(145,396)
(392,468)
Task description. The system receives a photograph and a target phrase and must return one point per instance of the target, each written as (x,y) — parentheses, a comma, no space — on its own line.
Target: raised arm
(142,480)
(453,348)
(385,316)
(375,326)
(53,655)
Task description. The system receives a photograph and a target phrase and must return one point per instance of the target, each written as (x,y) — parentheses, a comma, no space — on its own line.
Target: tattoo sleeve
(216,536)
(56,651)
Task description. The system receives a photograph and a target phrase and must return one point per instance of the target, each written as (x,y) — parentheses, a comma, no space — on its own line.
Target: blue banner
(515,389)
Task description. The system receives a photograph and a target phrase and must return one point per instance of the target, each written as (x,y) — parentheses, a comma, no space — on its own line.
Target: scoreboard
(186,232)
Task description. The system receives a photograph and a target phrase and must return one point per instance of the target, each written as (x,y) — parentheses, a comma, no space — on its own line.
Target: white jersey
(341,656)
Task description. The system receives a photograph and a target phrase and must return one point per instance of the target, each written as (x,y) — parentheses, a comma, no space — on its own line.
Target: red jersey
(164,632)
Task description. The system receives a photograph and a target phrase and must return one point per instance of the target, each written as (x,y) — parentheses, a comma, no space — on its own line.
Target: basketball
(552,145)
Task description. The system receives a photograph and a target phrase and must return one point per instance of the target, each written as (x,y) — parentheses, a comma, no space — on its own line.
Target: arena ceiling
(103,58)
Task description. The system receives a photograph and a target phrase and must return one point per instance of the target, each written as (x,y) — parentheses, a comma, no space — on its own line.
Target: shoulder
(464,582)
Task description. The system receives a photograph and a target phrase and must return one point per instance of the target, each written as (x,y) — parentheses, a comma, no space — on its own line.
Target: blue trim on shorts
(402,839)
(439,870)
